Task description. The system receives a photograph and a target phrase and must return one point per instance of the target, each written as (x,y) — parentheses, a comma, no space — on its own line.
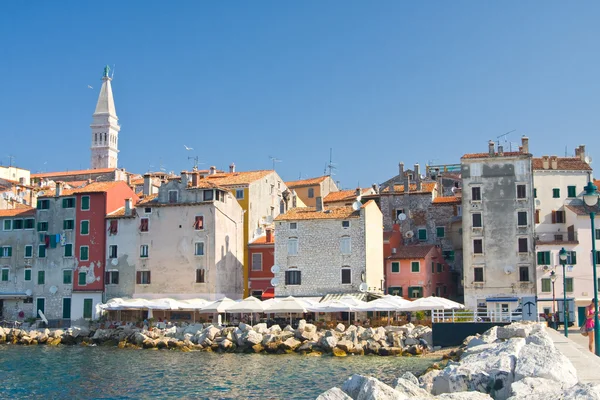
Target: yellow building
(308,190)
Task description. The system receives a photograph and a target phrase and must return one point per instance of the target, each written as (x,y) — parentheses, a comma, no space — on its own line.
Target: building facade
(262,258)
(308,190)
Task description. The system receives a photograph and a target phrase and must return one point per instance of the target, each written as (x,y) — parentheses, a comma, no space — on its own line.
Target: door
(581,316)
(66,308)
(87,308)
(41,306)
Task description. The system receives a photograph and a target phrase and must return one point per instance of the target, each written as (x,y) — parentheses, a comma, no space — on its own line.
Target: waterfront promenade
(575,348)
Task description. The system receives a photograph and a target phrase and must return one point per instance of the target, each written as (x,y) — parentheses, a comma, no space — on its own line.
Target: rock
(582,391)
(306,346)
(283,336)
(162,343)
(390,351)
(268,339)
(374,389)
(408,384)
(309,328)
(102,334)
(351,328)
(372,347)
(122,344)
(226,344)
(544,362)
(139,338)
(260,328)
(334,394)
(193,329)
(465,396)
(257,348)
(411,341)
(211,332)
(513,330)
(337,352)
(329,342)
(253,338)
(57,333)
(532,387)
(26,340)
(340,328)
(345,345)
(291,344)
(301,324)
(353,385)
(409,376)
(150,343)
(307,335)
(288,328)
(275,329)
(244,327)
(358,350)
(540,338)
(413,350)
(54,341)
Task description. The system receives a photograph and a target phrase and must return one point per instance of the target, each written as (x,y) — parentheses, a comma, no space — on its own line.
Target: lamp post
(562,255)
(553,319)
(590,198)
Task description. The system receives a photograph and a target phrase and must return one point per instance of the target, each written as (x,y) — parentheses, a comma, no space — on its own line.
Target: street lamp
(553,319)
(562,255)
(590,197)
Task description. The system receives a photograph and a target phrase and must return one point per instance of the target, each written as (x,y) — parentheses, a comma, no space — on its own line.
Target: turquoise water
(75,372)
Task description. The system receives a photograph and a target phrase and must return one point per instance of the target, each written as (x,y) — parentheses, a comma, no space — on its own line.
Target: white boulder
(532,388)
(334,394)
(544,362)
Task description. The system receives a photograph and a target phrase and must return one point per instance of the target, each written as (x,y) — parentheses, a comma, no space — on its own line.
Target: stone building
(186,241)
(329,251)
(308,190)
(498,266)
(105,128)
(346,197)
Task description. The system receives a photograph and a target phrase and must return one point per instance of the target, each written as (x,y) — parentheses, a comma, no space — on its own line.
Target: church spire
(105,127)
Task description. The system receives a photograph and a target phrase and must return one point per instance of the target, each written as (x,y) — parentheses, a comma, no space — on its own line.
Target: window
(7,226)
(395,267)
(68,224)
(448,255)
(415,292)
(28,251)
(84,228)
(569,284)
(84,253)
(440,231)
(111,277)
(200,278)
(537,216)
(398,211)
(440,268)
(546,285)
(42,226)
(558,217)
(208,195)
(571,257)
(415,266)
(144,251)
(199,249)
(346,276)
(311,193)
(422,234)
(256,261)
(40,305)
(42,251)
(524,274)
(345,224)
(543,257)
(597,234)
(292,246)
(112,251)
(29,223)
(478,246)
(521,191)
(144,225)
(142,278)
(239,194)
(85,203)
(68,252)
(345,245)
(523,245)
(173,195)
(67,277)
(476,193)
(82,278)
(522,218)
(478,274)
(41,277)
(148,210)
(293,225)
(556,193)
(432,267)
(87,308)
(395,290)
(476,217)
(43,204)
(68,203)
(5,274)
(293,277)
(571,191)
(6,251)
(597,257)
(66,308)
(17,224)
(535,193)
(199,222)
(27,275)
(113,227)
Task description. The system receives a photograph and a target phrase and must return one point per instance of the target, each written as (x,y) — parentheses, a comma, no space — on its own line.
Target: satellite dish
(508,270)
(356,205)
(363,287)
(453,189)
(114,262)
(28,292)
(545,268)
(569,268)
(53,289)
(588,159)
(401,216)
(409,234)
(538,202)
(274,282)
(275,269)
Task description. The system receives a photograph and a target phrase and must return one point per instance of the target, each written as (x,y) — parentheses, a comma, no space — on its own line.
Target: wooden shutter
(553,216)
(138,277)
(573,257)
(537,216)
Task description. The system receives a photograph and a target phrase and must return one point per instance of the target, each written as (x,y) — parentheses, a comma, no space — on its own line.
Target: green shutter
(41,277)
(9,251)
(439,267)
(556,193)
(65,203)
(432,267)
(83,253)
(40,303)
(395,267)
(27,274)
(66,314)
(67,277)
(81,278)
(571,191)
(414,266)
(28,251)
(68,250)
(546,285)
(41,251)
(440,232)
(422,234)
(569,282)
(87,308)
(5,275)
(85,202)
(7,224)
(85,227)
(535,193)
(573,257)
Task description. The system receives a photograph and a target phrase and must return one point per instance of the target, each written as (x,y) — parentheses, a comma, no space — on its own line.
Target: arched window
(95,138)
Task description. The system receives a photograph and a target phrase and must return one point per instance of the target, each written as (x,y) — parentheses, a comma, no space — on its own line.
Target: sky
(239,81)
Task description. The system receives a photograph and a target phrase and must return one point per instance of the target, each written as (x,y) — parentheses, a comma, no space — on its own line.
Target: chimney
(319,203)
(184,178)
(545,162)
(582,152)
(128,207)
(491,148)
(358,191)
(406,184)
(269,235)
(525,144)
(418,177)
(195,175)
(401,170)
(58,189)
(147,185)
(213,170)
(500,150)
(554,162)
(232,167)
(577,151)
(375,188)
(396,228)
(128,179)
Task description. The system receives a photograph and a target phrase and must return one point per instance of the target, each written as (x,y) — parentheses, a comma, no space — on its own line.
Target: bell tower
(105,127)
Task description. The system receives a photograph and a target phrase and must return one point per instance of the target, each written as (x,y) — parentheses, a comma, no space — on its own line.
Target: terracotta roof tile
(236,178)
(21,211)
(263,240)
(76,184)
(343,195)
(308,213)
(447,200)
(564,164)
(77,172)
(95,187)
(426,187)
(139,181)
(147,199)
(583,210)
(306,182)
(120,213)
(487,155)
(412,251)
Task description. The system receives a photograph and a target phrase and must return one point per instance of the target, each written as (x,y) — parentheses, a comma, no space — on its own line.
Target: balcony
(564,237)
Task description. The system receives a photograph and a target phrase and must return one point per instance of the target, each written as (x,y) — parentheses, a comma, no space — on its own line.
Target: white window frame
(346,245)
(25,251)
(142,276)
(81,226)
(196,249)
(482,247)
(70,219)
(292,246)
(196,216)
(89,203)
(517,191)
(88,253)
(4,226)
(239,194)
(22,224)
(8,277)
(110,272)
(110,247)
(144,251)
(30,274)
(74,202)
(480,194)
(518,241)
(342,275)
(483,273)
(252,262)
(146,210)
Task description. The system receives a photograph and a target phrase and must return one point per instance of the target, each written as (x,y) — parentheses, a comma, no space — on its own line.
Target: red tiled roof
(70,173)
(447,200)
(20,211)
(236,178)
(583,210)
(308,213)
(412,251)
(263,240)
(76,184)
(487,155)
(147,199)
(564,164)
(426,187)
(306,182)
(343,195)
(120,213)
(94,187)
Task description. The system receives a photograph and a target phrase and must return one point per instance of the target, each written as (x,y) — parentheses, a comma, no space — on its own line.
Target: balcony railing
(557,237)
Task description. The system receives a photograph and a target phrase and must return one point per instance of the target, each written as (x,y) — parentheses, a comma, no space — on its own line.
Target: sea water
(76,372)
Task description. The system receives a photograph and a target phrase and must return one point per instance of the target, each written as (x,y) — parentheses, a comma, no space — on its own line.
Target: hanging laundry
(63,240)
(47,241)
(57,239)
(52,241)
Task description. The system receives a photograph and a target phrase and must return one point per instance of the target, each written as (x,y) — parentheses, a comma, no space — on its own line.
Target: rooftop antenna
(504,135)
(331,166)
(11,158)
(196,163)
(274,160)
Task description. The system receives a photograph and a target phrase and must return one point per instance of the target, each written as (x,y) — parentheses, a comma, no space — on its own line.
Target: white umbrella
(450,303)
(219,306)
(248,305)
(427,303)
(192,304)
(163,304)
(331,306)
(288,305)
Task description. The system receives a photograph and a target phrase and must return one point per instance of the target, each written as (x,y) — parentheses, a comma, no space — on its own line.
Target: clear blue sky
(379,82)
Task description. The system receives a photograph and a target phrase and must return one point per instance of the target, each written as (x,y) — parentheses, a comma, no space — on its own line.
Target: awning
(269,293)
(337,296)
(501,299)
(13,296)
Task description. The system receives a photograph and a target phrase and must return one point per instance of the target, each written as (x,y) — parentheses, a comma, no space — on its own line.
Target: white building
(184,242)
(105,128)
(498,246)
(329,251)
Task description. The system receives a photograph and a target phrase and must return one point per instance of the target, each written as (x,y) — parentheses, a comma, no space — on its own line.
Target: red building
(262,257)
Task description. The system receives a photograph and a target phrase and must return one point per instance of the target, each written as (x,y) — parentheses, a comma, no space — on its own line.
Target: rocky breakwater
(514,362)
(306,339)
